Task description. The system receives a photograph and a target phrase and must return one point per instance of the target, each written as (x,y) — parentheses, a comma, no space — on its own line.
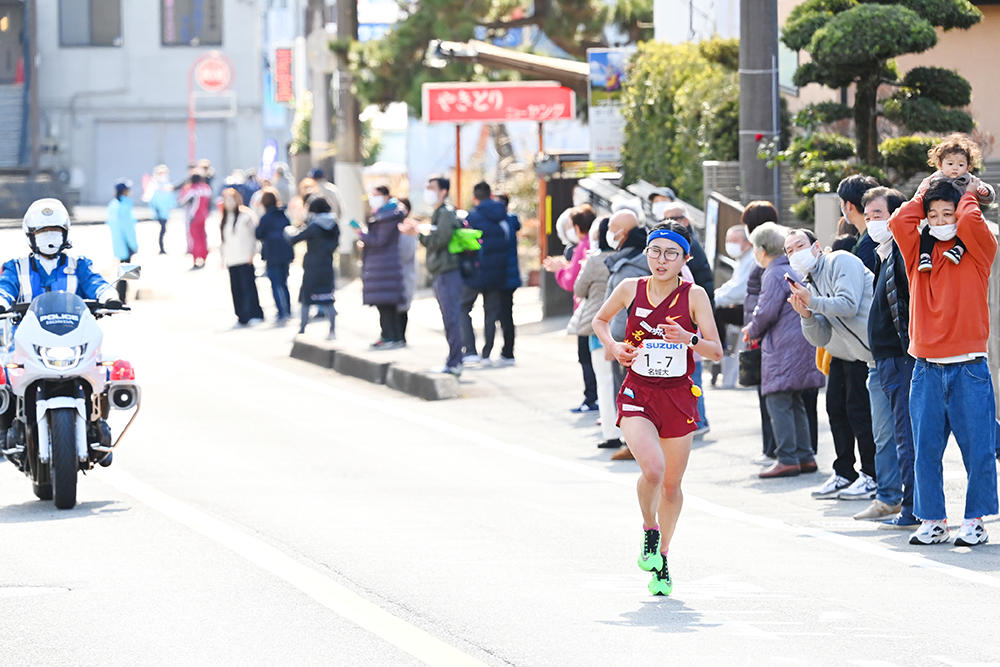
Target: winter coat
(787,359)
(753,293)
(444,222)
(122,223)
(239,241)
(489,217)
(511,227)
(629,262)
(162,200)
(590,287)
(841,290)
(566,276)
(701,269)
(274,247)
(321,236)
(408,259)
(381,267)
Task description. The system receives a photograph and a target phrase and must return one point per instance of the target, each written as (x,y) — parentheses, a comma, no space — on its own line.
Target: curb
(428,386)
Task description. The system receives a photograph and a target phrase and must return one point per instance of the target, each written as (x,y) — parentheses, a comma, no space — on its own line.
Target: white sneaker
(471,359)
(863,488)
(971,533)
(877,511)
(930,532)
(831,487)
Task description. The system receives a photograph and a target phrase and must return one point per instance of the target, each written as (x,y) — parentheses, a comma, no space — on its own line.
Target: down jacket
(381,265)
(787,359)
(589,288)
(489,217)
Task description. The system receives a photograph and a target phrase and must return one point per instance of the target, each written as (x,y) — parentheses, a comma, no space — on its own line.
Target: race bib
(660,359)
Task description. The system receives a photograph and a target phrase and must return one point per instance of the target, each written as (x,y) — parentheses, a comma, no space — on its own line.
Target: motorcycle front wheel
(62,428)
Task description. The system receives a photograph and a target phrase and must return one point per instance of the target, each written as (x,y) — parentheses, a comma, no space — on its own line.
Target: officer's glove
(112,304)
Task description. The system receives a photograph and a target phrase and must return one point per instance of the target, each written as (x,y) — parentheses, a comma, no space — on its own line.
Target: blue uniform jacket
(90,284)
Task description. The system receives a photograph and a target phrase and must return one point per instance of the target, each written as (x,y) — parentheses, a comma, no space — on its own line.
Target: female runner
(657,403)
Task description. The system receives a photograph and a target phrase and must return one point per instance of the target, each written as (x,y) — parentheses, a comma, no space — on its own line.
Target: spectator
(282,183)
(505,296)
(889,380)
(659,198)
(729,298)
(582,217)
(443,267)
(122,222)
(161,199)
(196,198)
(276,251)
(488,216)
(788,361)
(297,209)
(321,235)
(237,229)
(590,287)
(627,241)
(850,191)
(382,267)
(328,191)
(951,389)
(834,310)
(408,260)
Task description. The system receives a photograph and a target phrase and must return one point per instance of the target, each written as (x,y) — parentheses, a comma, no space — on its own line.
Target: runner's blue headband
(670,236)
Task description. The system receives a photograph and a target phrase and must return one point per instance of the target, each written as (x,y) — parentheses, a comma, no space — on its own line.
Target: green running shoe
(661,583)
(650,558)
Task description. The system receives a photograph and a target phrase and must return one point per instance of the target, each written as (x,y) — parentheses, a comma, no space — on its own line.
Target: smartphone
(791,281)
(354,223)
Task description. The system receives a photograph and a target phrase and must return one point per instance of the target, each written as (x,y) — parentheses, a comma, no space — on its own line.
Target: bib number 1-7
(658,358)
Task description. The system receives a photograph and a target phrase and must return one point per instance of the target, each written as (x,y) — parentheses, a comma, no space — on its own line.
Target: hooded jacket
(841,290)
(321,235)
(488,217)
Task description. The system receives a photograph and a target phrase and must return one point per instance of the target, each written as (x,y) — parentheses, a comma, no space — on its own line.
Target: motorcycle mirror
(129,271)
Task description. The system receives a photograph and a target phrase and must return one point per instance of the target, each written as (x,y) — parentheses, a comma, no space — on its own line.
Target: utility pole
(321,124)
(758,97)
(347,172)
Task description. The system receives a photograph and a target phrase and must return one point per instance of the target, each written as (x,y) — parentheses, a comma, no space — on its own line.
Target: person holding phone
(658,401)
(382,268)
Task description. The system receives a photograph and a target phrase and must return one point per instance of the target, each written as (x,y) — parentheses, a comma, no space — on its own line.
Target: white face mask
(879,230)
(376,202)
(48,243)
(612,241)
(734,250)
(658,209)
(943,232)
(572,238)
(430,197)
(803,261)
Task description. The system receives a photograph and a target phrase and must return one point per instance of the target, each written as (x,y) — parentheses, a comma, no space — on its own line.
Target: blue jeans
(958,399)
(890,489)
(277,273)
(696,377)
(894,377)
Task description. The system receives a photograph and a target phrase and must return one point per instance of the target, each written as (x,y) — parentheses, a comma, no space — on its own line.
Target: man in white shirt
(729,298)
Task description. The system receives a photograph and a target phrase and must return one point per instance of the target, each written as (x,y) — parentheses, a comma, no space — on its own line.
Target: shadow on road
(43,510)
(663,614)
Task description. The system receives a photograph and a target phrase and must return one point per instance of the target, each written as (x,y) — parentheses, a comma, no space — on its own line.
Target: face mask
(758,263)
(376,202)
(612,241)
(572,238)
(734,250)
(879,230)
(803,261)
(430,197)
(48,243)
(658,209)
(844,214)
(943,232)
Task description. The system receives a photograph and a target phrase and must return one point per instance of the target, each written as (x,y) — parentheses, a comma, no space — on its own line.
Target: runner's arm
(620,298)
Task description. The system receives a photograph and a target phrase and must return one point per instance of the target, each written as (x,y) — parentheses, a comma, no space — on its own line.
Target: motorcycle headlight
(60,358)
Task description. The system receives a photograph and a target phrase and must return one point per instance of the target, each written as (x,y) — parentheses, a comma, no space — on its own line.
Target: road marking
(317,585)
(693,502)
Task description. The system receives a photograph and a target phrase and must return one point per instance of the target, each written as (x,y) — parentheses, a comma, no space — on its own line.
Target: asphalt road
(265,511)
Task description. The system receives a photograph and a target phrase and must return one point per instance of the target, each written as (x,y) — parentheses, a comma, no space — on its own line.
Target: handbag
(749,361)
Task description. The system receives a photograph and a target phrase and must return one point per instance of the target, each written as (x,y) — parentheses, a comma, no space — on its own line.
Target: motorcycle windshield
(58,312)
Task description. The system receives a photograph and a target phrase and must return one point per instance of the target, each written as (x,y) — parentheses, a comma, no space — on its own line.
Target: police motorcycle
(62,390)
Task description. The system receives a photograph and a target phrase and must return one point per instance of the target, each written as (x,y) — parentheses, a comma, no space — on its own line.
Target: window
(191,22)
(90,23)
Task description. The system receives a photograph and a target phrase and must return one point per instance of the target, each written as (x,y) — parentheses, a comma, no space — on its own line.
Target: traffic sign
(212,73)
(461,102)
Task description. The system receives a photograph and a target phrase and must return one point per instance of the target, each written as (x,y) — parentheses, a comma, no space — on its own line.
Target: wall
(128,104)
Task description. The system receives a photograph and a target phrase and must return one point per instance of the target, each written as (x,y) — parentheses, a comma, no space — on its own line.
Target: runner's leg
(675,456)
(644,443)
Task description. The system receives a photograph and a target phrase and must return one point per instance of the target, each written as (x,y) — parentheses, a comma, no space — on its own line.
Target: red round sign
(213,74)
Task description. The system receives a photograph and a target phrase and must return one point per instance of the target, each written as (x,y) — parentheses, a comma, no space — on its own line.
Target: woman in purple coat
(788,361)
(382,268)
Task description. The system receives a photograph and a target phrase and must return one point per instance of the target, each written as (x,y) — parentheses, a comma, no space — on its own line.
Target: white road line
(315,584)
(585,470)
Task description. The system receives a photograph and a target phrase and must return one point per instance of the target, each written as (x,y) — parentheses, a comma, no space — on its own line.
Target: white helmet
(48,212)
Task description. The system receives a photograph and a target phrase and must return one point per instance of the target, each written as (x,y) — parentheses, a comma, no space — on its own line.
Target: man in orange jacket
(951,390)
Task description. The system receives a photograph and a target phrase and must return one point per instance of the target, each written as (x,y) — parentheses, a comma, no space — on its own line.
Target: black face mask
(636,239)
